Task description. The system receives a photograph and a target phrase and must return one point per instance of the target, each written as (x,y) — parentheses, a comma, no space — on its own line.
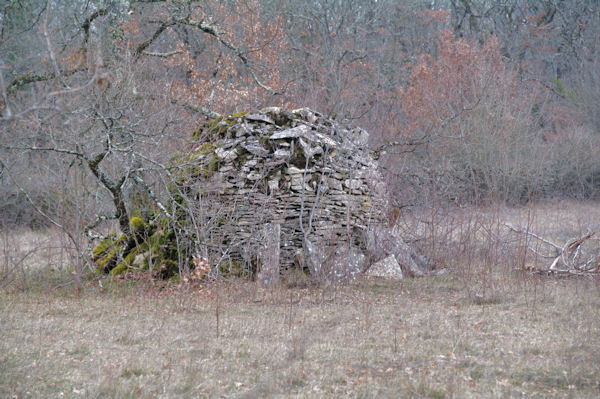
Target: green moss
(137,212)
(154,240)
(130,257)
(107,244)
(212,124)
(105,254)
(104,246)
(121,268)
(143,247)
(197,133)
(206,148)
(282,118)
(266,142)
(210,167)
(298,158)
(217,127)
(243,156)
(137,224)
(127,262)
(163,252)
(238,115)
(103,262)
(140,205)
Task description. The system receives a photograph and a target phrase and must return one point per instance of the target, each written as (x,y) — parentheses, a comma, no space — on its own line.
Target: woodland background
(469,102)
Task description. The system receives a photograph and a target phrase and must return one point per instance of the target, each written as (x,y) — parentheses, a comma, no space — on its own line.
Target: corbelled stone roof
(314,178)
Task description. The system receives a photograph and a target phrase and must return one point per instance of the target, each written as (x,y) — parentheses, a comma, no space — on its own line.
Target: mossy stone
(137,224)
(106,253)
(168,268)
(210,168)
(218,127)
(206,148)
(121,268)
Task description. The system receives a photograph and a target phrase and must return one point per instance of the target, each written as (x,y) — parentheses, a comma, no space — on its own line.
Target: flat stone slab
(292,133)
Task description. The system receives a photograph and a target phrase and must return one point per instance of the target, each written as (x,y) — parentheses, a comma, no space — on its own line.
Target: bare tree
(94,92)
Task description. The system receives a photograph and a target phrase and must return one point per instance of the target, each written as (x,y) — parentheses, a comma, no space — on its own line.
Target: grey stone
(335,184)
(305,114)
(292,133)
(272,110)
(250,163)
(141,260)
(353,184)
(273,185)
(386,268)
(292,170)
(254,175)
(281,153)
(226,155)
(260,117)
(382,240)
(359,137)
(348,262)
(254,148)
(309,151)
(321,138)
(269,253)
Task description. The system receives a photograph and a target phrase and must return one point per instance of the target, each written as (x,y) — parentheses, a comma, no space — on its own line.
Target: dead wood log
(567,258)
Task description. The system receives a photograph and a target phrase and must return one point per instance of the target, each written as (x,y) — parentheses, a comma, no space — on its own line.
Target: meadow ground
(435,337)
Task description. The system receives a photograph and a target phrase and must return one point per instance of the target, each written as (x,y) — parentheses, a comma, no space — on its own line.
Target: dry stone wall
(312,178)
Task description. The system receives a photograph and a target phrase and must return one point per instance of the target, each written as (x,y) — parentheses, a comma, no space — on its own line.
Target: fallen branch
(531,234)
(568,258)
(568,249)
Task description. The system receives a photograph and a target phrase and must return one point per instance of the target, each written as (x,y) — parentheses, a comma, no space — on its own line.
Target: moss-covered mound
(151,248)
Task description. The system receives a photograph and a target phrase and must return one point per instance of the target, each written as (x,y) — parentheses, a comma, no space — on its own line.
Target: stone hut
(284,187)
(260,191)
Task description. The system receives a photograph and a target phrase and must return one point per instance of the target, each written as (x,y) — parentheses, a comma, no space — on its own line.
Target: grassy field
(435,337)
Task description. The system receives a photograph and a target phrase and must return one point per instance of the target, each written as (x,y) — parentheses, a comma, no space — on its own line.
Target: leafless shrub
(572,172)
(12,260)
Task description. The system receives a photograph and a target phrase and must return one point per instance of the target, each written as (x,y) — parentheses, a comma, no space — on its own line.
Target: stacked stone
(297,169)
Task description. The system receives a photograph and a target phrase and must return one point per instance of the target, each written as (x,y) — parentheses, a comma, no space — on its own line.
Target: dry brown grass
(417,338)
(436,337)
